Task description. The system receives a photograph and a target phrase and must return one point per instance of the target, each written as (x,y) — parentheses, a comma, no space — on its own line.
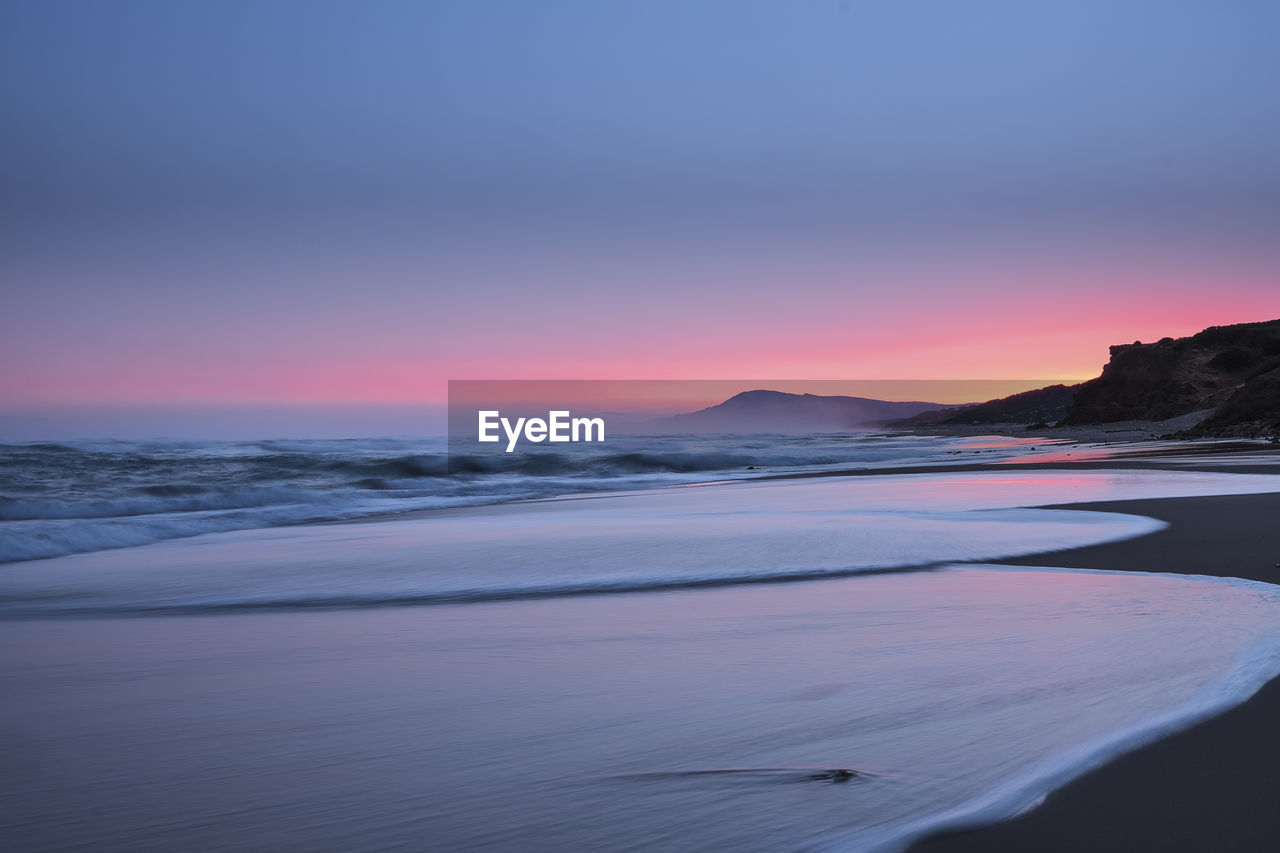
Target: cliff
(1231,371)
(1231,374)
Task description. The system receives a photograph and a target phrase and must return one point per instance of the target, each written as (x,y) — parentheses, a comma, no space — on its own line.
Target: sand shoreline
(1208,787)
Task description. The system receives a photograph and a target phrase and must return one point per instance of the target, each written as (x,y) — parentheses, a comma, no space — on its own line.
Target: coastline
(1205,536)
(1210,786)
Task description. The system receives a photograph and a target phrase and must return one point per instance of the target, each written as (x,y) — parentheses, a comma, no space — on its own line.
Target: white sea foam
(1030,787)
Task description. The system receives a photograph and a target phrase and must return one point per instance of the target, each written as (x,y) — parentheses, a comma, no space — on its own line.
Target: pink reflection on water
(946,489)
(1003,442)
(1076,454)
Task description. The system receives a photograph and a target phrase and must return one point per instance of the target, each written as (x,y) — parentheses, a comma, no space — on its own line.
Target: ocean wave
(157,500)
(71,497)
(44,537)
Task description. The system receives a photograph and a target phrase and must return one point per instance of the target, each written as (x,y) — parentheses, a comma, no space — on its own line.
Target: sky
(236,206)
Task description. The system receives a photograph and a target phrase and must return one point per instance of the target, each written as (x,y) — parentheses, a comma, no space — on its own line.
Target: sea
(79,496)
(672,643)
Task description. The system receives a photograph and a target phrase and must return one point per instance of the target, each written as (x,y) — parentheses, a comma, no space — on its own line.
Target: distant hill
(1231,373)
(1043,405)
(778,412)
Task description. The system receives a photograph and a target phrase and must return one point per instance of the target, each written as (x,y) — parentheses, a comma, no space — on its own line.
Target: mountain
(778,412)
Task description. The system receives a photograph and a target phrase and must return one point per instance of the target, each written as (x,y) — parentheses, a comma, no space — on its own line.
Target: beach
(829,661)
(835,427)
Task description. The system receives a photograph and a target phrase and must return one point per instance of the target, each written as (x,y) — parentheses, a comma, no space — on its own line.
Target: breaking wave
(73,497)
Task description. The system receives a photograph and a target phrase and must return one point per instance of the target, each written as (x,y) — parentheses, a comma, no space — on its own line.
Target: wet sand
(1210,787)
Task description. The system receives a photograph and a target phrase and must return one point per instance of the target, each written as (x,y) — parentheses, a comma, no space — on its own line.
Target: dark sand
(1213,787)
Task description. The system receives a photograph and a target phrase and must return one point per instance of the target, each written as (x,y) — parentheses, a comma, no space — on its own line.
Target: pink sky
(340,327)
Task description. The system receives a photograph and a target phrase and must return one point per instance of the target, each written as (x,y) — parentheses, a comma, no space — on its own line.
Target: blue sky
(303,201)
(831,107)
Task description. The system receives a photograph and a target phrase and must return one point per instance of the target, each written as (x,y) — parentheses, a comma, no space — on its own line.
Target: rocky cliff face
(1253,410)
(1234,371)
